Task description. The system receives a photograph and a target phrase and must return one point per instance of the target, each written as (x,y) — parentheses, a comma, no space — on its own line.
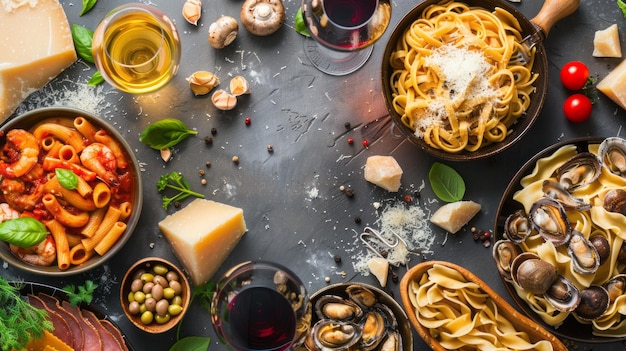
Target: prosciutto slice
(61,327)
(78,336)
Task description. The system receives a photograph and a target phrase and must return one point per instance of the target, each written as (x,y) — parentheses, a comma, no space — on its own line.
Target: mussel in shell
(556,191)
(550,220)
(393,342)
(504,252)
(612,154)
(329,335)
(337,308)
(373,330)
(563,295)
(363,296)
(585,257)
(531,273)
(616,286)
(582,169)
(615,201)
(594,301)
(517,226)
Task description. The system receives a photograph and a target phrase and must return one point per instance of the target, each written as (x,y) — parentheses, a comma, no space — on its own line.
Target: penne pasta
(111,216)
(85,128)
(51,146)
(51,163)
(63,133)
(72,197)
(101,195)
(62,215)
(110,238)
(104,138)
(68,154)
(94,222)
(62,245)
(83,188)
(126,210)
(79,255)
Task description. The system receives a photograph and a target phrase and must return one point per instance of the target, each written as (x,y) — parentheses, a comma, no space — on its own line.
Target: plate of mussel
(356,316)
(558,239)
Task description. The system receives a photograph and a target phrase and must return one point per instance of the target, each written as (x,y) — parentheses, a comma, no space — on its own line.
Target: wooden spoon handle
(553,11)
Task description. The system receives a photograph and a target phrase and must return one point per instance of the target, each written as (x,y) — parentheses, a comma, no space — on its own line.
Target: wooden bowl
(521,322)
(146,264)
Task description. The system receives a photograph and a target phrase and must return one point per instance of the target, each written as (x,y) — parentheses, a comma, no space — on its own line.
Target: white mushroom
(262,17)
(192,10)
(223,31)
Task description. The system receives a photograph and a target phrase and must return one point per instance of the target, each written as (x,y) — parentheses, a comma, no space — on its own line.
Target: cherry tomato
(574,75)
(577,108)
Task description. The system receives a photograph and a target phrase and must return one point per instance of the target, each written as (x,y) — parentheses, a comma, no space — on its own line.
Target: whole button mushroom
(223,31)
(262,17)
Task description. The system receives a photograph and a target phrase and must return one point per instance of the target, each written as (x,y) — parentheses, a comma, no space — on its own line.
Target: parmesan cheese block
(614,85)
(202,235)
(379,268)
(606,43)
(35,46)
(455,215)
(383,171)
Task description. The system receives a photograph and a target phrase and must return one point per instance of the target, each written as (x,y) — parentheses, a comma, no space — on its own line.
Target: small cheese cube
(379,268)
(35,46)
(614,85)
(606,43)
(383,171)
(453,216)
(202,235)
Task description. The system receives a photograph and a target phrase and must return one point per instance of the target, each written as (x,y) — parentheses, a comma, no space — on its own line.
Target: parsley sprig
(81,293)
(177,182)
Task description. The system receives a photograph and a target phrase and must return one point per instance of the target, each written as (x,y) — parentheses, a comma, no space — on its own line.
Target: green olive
(136,285)
(169,293)
(160,269)
(163,319)
(133,307)
(174,310)
(177,300)
(147,277)
(178,288)
(147,317)
(131,296)
(140,296)
(161,307)
(171,275)
(143,308)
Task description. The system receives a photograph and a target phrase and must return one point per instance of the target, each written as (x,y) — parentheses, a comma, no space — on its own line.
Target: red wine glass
(260,306)
(343,32)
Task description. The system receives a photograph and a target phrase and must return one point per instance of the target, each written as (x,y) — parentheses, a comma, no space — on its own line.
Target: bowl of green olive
(155,294)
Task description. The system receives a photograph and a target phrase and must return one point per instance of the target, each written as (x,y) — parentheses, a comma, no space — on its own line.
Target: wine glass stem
(333,62)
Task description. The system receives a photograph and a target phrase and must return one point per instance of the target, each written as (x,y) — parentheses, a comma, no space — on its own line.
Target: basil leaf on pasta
(447,184)
(165,133)
(67,178)
(23,231)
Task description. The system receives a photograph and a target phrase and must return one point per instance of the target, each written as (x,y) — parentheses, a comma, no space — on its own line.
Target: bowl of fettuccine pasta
(79,180)
(454,78)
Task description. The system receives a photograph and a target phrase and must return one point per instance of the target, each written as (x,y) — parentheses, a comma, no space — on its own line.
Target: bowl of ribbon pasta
(457,81)
(70,191)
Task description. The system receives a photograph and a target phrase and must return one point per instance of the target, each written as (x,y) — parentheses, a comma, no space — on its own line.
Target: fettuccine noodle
(453,82)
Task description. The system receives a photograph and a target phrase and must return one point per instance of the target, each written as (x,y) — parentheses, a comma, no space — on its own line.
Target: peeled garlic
(223,100)
(239,86)
(192,10)
(202,82)
(166,154)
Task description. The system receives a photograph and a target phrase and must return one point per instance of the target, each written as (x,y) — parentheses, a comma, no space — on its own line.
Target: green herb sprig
(175,181)
(622,6)
(81,293)
(83,40)
(19,321)
(87,6)
(447,184)
(23,231)
(165,133)
(204,293)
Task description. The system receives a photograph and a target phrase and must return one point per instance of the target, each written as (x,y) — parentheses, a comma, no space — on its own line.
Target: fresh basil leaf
(83,39)
(96,79)
(447,184)
(67,178)
(23,231)
(165,133)
(622,6)
(300,25)
(191,343)
(87,5)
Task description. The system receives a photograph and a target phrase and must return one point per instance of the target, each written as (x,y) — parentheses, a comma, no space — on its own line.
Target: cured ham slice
(78,337)
(92,338)
(109,342)
(115,332)
(61,327)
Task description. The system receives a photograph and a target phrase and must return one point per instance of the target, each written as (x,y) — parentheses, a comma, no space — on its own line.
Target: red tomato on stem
(574,75)
(577,108)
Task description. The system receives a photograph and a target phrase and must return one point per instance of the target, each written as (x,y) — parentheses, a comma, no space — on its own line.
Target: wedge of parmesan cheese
(614,85)
(383,171)
(379,267)
(606,43)
(453,216)
(202,235)
(35,46)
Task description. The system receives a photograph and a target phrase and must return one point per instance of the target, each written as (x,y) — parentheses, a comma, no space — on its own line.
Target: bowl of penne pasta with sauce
(71,182)
(459,80)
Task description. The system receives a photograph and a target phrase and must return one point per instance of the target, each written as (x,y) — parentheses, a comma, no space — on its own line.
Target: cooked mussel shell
(504,252)
(337,308)
(582,169)
(563,295)
(530,273)
(373,329)
(612,154)
(550,220)
(616,286)
(517,226)
(329,335)
(594,301)
(363,296)
(393,342)
(585,257)
(556,191)
(615,201)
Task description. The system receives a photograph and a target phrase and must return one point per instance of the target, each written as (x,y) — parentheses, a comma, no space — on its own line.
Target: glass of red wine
(260,306)
(344,32)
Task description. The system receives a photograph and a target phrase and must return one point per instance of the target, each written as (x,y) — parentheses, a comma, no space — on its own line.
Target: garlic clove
(223,100)
(166,154)
(202,82)
(239,86)
(192,10)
